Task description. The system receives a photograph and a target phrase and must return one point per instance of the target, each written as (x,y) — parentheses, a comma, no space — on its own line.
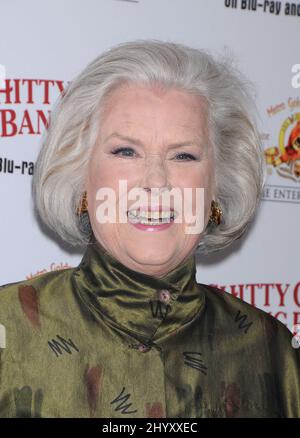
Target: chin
(152,255)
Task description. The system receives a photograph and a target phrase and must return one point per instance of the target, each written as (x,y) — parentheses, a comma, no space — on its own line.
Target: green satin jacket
(101,340)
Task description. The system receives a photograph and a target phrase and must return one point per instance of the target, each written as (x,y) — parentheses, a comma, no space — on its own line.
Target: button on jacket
(101,340)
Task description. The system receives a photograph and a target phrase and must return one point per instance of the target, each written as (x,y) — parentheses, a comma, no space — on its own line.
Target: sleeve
(285,360)
(6,396)
(2,407)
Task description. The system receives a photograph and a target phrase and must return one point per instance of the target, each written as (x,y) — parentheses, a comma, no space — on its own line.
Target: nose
(155,172)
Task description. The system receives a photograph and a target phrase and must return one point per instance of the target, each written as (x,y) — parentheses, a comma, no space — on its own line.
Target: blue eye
(129,152)
(187,157)
(120,150)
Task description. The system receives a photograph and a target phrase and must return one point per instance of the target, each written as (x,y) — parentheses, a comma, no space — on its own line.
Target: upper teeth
(151,214)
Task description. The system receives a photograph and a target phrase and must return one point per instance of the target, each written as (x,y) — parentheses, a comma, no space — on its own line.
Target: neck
(138,303)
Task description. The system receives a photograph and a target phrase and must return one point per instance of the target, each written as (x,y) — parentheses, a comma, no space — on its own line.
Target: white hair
(61,166)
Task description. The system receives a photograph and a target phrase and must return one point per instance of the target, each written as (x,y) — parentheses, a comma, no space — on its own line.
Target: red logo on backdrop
(22,105)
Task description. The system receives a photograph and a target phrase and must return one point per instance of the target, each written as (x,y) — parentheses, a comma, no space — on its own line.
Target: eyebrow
(139,143)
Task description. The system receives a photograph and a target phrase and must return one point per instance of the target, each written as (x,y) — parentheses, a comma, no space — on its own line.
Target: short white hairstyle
(61,166)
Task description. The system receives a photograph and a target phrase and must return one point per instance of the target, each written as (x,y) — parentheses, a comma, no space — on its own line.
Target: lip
(152,228)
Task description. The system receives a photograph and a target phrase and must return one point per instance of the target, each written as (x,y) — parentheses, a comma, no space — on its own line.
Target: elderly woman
(129,332)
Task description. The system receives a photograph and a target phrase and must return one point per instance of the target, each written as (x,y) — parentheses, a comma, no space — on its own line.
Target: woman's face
(139,129)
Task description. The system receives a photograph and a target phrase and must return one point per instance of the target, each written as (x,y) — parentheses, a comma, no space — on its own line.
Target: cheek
(107,172)
(207,178)
(201,176)
(102,175)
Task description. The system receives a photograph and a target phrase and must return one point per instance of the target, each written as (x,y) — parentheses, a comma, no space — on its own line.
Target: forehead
(152,107)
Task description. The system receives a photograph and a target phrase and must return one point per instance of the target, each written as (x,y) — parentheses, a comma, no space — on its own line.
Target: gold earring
(216,213)
(83,206)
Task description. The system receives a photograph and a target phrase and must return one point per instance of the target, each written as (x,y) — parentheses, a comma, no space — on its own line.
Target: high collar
(146,307)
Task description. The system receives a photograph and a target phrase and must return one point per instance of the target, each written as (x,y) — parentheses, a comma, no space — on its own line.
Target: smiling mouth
(148,217)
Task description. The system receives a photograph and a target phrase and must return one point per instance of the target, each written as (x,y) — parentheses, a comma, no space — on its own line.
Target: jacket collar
(146,307)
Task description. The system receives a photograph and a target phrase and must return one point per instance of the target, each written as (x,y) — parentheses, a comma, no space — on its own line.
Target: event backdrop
(44,45)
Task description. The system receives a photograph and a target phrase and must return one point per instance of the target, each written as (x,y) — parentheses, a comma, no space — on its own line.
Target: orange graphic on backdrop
(286,157)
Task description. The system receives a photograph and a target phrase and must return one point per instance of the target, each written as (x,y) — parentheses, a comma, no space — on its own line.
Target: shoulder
(38,282)
(25,296)
(244,316)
